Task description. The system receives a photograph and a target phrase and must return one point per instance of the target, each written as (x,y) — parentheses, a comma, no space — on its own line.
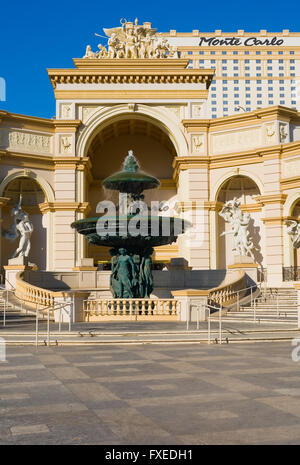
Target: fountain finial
(130,163)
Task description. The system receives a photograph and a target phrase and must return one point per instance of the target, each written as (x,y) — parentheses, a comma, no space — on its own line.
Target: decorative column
(274,246)
(191,174)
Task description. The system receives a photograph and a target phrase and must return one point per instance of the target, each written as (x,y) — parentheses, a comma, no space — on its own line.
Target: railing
(31,293)
(225,293)
(130,307)
(291,273)
(262,275)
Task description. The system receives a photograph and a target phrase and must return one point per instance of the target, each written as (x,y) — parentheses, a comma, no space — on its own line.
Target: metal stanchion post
(251,296)
(36,326)
(48,328)
(208,335)
(238,301)
(254,313)
(277,304)
(197,318)
(59,320)
(220,321)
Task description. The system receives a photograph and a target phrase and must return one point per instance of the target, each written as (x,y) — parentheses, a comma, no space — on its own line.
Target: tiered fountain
(131,233)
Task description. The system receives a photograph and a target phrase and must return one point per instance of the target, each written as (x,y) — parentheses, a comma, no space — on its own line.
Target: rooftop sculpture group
(133,41)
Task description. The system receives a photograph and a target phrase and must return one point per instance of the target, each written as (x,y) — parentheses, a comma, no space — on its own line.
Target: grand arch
(162,118)
(106,148)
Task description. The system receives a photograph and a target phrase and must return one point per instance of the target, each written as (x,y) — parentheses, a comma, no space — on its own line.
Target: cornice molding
(82,207)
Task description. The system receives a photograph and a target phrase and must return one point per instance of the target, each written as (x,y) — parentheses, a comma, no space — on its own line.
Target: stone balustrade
(33,294)
(131,308)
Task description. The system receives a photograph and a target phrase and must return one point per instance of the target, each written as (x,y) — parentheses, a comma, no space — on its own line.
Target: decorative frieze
(235,141)
(198,143)
(27,141)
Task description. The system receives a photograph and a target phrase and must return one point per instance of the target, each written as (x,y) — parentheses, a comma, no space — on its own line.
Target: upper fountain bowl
(130,180)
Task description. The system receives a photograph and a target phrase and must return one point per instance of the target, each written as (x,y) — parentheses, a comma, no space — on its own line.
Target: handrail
(4,278)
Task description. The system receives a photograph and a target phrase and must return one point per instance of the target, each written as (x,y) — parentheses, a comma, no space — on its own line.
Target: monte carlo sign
(237,41)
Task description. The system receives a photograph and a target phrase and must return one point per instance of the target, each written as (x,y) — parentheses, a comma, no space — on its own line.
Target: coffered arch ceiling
(150,144)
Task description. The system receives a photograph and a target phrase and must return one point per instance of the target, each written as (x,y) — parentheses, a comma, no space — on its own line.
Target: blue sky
(36,35)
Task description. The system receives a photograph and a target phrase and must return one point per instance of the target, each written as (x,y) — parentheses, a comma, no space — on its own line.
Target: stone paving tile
(14,396)
(91,392)
(30,429)
(68,372)
(34,410)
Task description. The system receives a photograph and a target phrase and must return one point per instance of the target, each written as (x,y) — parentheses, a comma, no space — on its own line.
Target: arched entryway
(295,253)
(244,189)
(155,153)
(32,196)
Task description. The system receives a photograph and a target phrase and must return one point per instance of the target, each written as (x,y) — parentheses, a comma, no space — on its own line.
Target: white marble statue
(22,227)
(293,229)
(239,222)
(133,41)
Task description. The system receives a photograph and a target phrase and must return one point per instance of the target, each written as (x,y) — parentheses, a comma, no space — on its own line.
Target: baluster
(143,306)
(174,310)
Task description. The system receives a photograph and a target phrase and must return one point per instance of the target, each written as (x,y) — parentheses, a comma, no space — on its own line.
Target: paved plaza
(150,394)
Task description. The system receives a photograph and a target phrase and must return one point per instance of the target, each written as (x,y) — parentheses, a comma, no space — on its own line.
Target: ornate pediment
(132,40)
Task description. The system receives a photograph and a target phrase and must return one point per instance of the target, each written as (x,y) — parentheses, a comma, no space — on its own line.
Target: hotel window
(258,74)
(259,102)
(235,74)
(214,102)
(248,102)
(292,61)
(270,102)
(293,95)
(292,53)
(281,68)
(213,88)
(280,53)
(246,53)
(269,53)
(270,68)
(212,61)
(236,61)
(281,81)
(225,102)
(224,53)
(247,61)
(248,109)
(225,88)
(258,61)
(258,81)
(224,74)
(247,68)
(282,102)
(236,88)
(247,81)
(190,53)
(269,61)
(258,88)
(212,53)
(224,61)
(225,95)
(258,68)
(225,81)
(213,116)
(247,74)
(281,74)
(293,88)
(270,88)
(293,102)
(236,95)
(236,102)
(259,96)
(270,81)
(201,53)
(236,68)
(270,74)
(270,95)
(292,81)
(224,68)
(280,61)
(213,81)
(201,61)
(257,53)
(213,95)
(292,74)
(201,67)
(281,88)
(292,67)
(248,95)
(236,81)
(281,95)
(235,53)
